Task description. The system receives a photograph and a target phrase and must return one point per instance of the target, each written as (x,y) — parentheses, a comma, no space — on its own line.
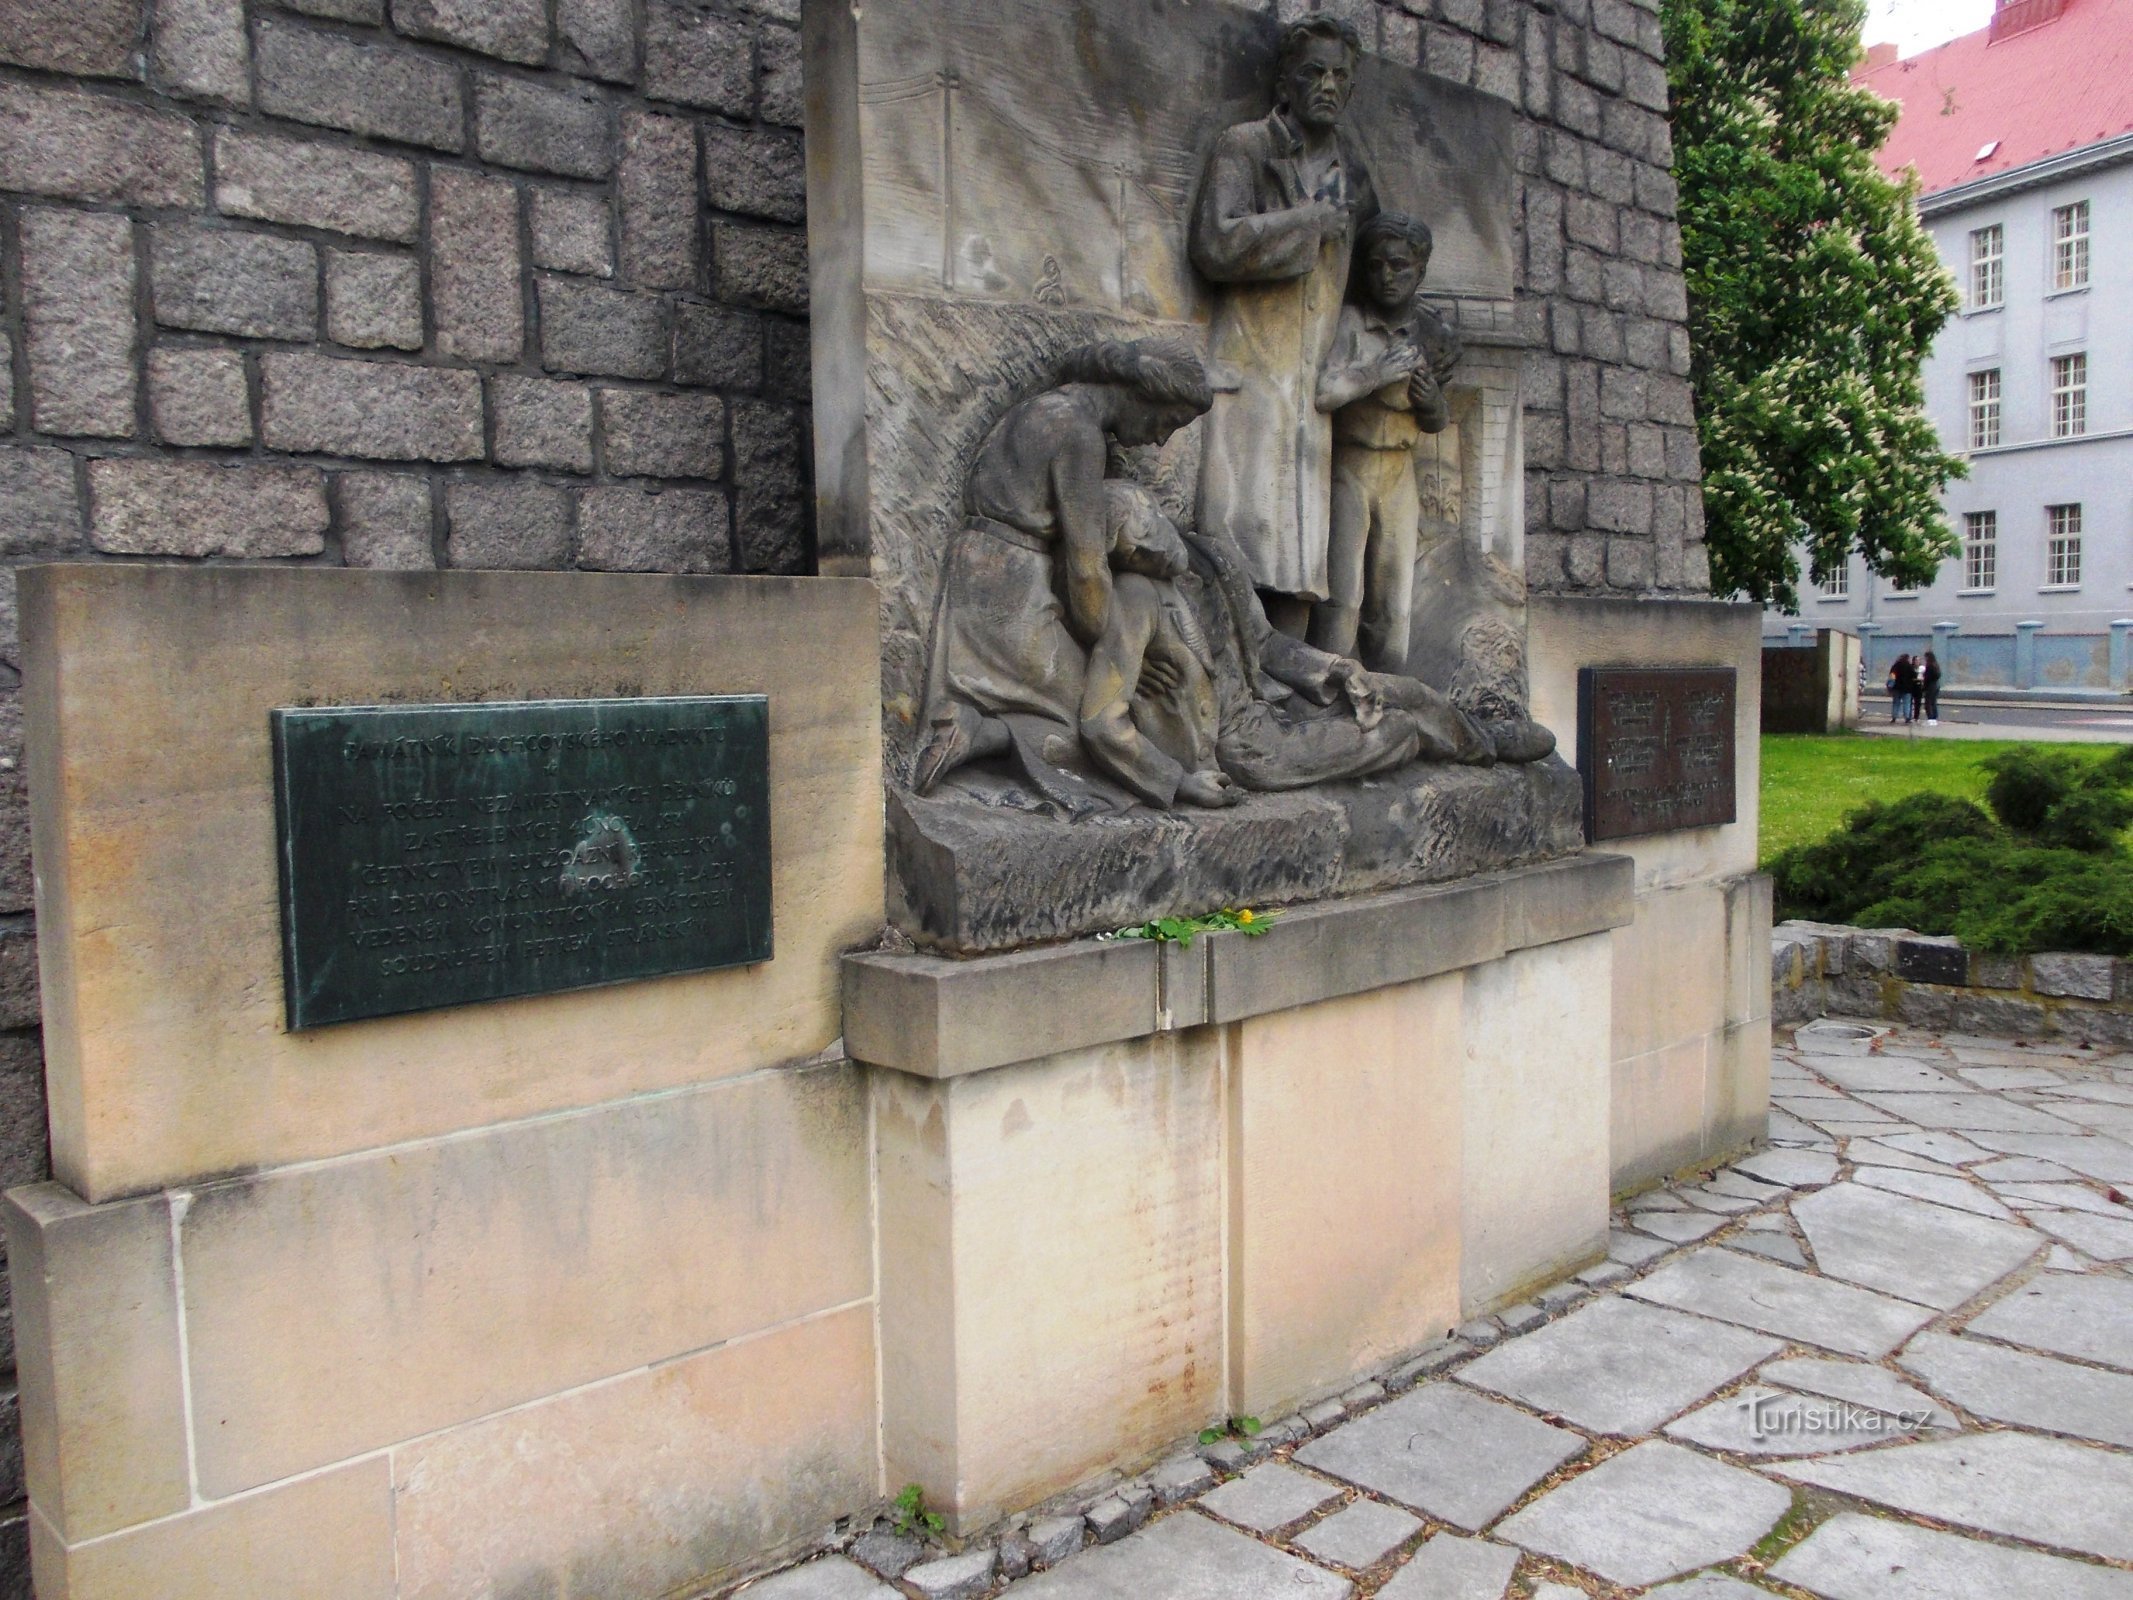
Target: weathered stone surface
(198,396)
(78,321)
(1115,1517)
(889,1553)
(380,410)
(315,186)
(1920,1252)
(1649,1513)
(653,435)
(223,280)
(1187,1555)
(958,1577)
(384,520)
(1450,1567)
(2082,977)
(1270,1497)
(755,172)
(1852,1557)
(698,59)
(474,266)
(1759,1294)
(202,508)
(40,513)
(1056,1538)
(98,39)
(656,180)
(516,30)
(1759,1421)
(1361,1535)
(2029,1391)
(623,529)
(24,1156)
(373,300)
(1618,1366)
(2067,1496)
(586,327)
(543,127)
(763,267)
(1180,1478)
(1863,1385)
(573,231)
(337,81)
(770,485)
(831,1578)
(512,522)
(1446,1452)
(202,52)
(598,38)
(2090,1319)
(92,147)
(540,422)
(970,870)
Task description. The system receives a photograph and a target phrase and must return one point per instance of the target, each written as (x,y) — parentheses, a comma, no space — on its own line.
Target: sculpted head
(1315,73)
(1143,539)
(1163,386)
(1391,256)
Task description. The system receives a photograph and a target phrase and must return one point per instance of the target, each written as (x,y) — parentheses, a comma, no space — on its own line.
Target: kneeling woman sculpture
(1080,634)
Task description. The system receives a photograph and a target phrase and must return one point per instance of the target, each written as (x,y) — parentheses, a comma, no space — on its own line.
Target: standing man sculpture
(1275,225)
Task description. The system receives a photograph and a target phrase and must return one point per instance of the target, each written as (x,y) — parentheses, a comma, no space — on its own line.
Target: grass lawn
(1811,781)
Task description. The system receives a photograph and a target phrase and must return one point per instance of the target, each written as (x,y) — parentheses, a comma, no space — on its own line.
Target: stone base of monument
(1129,1187)
(973,876)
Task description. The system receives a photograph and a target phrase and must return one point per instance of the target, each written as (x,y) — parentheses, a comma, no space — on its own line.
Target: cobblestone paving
(1890,1357)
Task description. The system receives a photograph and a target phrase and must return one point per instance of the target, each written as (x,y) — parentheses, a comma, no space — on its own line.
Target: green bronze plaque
(438,855)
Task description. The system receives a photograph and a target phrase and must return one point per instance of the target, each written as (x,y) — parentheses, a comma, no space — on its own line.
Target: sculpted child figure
(1383,383)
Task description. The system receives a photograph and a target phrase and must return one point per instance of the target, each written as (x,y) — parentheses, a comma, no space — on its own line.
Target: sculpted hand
(1212,789)
(1362,695)
(1160,675)
(1329,217)
(1403,360)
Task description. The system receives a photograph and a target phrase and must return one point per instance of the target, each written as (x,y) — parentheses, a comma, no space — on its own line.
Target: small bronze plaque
(438,855)
(1655,748)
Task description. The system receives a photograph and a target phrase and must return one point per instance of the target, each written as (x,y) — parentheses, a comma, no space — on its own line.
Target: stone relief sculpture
(1273,229)
(1383,383)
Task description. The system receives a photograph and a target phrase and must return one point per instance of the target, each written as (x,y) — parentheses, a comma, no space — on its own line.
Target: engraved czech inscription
(439,855)
(1655,748)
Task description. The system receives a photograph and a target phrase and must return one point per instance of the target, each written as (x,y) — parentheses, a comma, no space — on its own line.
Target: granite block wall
(523,283)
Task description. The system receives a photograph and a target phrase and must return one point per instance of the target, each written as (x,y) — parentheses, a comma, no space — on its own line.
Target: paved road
(2077,724)
(1889,1357)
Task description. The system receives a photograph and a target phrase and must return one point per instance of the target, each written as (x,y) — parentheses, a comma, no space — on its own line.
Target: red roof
(2055,87)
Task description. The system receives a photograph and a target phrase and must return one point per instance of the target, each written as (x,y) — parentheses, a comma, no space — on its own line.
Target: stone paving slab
(831,1578)
(1761,1421)
(1678,1227)
(1852,1557)
(2088,1318)
(1790,1169)
(1635,1249)
(2108,1094)
(1876,1388)
(1940,1189)
(2090,1154)
(1884,1075)
(1793,1305)
(2099,1238)
(1871,1154)
(1951,1149)
(1653,1512)
(2027,1169)
(1449,1567)
(1908,1248)
(1710,1586)
(2064,1197)
(2032,1391)
(1772,1247)
(1967,1113)
(1360,1535)
(1270,1496)
(1446,1452)
(1619,1367)
(2047,1491)
(1185,1556)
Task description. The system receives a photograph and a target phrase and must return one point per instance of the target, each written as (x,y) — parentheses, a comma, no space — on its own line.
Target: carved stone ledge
(936,1017)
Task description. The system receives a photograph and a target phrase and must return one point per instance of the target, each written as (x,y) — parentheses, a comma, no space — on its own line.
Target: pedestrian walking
(1929,681)
(1903,689)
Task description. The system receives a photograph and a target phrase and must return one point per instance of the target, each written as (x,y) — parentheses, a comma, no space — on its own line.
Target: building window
(1981,549)
(1838,585)
(2070,396)
(1985,409)
(2070,246)
(2062,556)
(1988,249)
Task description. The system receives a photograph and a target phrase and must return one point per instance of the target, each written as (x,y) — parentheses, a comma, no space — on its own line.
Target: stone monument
(1091,318)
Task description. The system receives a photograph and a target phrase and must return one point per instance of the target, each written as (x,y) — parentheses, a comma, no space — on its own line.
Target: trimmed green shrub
(2048,870)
